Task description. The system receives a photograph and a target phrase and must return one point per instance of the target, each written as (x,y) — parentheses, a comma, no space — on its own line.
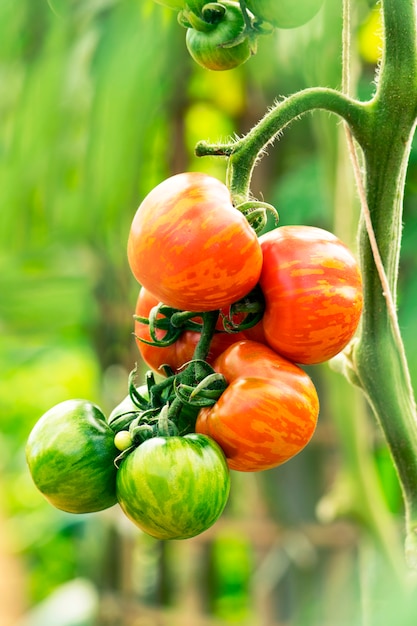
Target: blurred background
(99,102)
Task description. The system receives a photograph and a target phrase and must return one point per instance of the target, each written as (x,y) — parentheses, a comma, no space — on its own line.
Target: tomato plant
(174,487)
(70,453)
(190,247)
(313,293)
(218,41)
(193,250)
(285,13)
(268,412)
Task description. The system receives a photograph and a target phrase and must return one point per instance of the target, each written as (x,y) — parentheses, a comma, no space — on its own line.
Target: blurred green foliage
(98,103)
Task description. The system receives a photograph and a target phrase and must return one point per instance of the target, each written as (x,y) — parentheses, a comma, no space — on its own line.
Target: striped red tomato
(190,247)
(312,287)
(268,412)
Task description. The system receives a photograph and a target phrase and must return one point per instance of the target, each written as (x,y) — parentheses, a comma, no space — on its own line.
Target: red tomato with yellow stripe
(312,287)
(180,351)
(190,247)
(268,412)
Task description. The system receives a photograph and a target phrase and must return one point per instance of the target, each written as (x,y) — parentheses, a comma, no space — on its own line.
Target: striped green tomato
(174,487)
(70,453)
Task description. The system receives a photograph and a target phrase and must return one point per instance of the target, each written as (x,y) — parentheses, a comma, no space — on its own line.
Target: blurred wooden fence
(280,558)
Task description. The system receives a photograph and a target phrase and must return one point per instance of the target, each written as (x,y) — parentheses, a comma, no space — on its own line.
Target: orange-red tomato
(312,287)
(190,247)
(268,412)
(182,350)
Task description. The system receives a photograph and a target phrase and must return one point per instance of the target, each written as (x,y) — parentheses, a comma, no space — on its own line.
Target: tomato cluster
(172,487)
(227,317)
(223,35)
(312,301)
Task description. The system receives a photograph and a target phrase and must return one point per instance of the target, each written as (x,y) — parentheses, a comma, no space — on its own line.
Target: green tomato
(70,454)
(174,487)
(207,47)
(284,13)
(123,440)
(124,407)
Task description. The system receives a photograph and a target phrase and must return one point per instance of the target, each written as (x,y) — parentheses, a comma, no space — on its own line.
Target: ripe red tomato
(182,350)
(267,414)
(312,287)
(190,247)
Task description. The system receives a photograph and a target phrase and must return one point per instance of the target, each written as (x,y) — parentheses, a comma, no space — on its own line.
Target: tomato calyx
(204,21)
(206,392)
(256,213)
(172,408)
(169,408)
(245,313)
(173,321)
(241,315)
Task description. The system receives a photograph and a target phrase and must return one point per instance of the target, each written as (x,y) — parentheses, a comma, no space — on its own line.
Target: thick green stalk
(357,489)
(384,128)
(244,153)
(379,358)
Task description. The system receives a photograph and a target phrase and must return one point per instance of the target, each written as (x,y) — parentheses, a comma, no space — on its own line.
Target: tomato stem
(383,128)
(209,326)
(244,153)
(386,148)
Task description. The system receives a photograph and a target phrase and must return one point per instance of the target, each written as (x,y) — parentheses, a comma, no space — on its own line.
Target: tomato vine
(383,128)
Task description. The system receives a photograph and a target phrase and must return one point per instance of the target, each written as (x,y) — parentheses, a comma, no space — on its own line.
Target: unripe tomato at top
(207,47)
(285,13)
(190,247)
(70,453)
(312,287)
(268,412)
(182,350)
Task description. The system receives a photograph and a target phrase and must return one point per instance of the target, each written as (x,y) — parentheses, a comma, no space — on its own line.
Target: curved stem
(244,153)
(383,127)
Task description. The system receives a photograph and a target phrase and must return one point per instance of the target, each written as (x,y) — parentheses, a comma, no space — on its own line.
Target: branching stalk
(383,127)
